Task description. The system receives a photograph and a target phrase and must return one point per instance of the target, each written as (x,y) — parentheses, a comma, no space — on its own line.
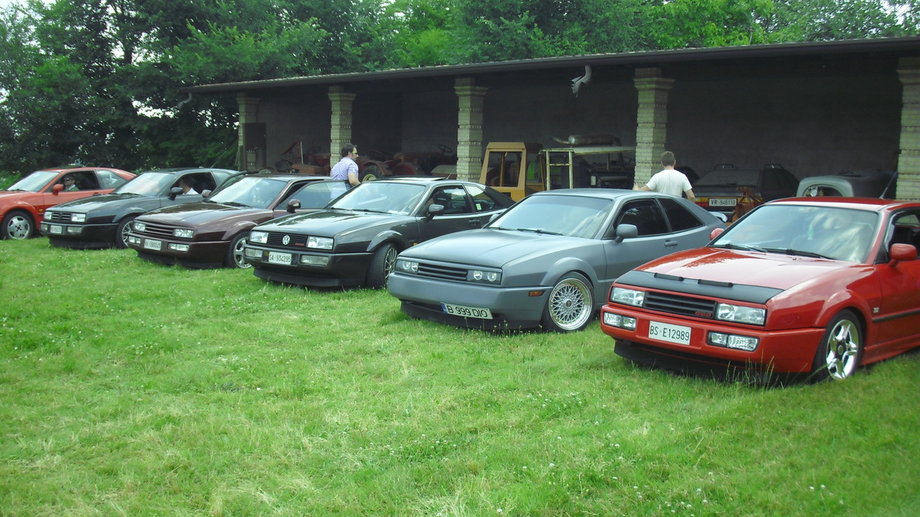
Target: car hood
(196,214)
(108,202)
(330,222)
(772,270)
(492,248)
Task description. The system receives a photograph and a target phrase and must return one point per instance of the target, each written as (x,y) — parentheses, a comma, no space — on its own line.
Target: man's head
(667,159)
(186,183)
(350,150)
(69,181)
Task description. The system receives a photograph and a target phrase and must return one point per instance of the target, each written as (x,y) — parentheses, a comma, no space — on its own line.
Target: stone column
(651,121)
(909,157)
(340,133)
(249,112)
(469,128)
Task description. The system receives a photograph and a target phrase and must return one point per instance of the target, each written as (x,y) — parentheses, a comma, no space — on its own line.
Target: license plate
(722,201)
(669,333)
(151,244)
(56,229)
(467,312)
(279,258)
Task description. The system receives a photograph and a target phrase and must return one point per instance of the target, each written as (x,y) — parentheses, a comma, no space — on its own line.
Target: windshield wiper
(733,246)
(535,230)
(368,210)
(797,253)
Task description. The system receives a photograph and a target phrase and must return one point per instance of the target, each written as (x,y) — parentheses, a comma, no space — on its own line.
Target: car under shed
(814,108)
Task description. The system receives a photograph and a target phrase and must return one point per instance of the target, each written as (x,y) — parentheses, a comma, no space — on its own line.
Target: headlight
(745,343)
(485,277)
(48,215)
(258,237)
(740,314)
(627,296)
(315,260)
(78,218)
(139,226)
(618,320)
(184,233)
(320,243)
(406,266)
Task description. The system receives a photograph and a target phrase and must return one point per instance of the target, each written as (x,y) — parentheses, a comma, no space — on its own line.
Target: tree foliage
(101,81)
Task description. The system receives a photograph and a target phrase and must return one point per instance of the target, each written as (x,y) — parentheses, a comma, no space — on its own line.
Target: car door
(898,315)
(87,185)
(654,237)
(458,213)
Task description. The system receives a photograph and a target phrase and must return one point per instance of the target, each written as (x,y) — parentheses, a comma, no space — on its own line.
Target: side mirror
(293,205)
(205,193)
(902,252)
(626,231)
(173,192)
(57,189)
(435,209)
(715,233)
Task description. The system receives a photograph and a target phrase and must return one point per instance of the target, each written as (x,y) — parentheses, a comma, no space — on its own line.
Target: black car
(211,233)
(355,239)
(103,221)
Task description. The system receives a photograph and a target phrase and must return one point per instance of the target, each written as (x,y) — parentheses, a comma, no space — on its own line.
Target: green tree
(824,20)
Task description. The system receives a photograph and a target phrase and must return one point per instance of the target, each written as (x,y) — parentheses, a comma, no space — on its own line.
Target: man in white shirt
(670,180)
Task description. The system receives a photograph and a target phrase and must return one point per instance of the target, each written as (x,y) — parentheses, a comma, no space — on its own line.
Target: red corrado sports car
(806,285)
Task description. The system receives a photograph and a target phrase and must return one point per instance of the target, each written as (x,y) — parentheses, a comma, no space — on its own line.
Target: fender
(388,235)
(566,265)
(841,301)
(237,228)
(24,207)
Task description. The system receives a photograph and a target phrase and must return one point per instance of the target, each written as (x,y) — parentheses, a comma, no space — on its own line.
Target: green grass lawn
(130,388)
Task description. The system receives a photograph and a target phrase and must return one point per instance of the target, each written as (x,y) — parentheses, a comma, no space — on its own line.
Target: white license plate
(151,244)
(279,258)
(669,333)
(56,229)
(722,201)
(467,312)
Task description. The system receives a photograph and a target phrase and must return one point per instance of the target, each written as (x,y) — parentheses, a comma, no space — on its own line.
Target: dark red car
(805,285)
(23,204)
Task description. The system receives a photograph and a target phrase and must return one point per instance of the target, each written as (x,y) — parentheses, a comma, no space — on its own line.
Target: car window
(453,199)
(317,194)
(147,184)
(201,181)
(108,179)
(645,215)
(485,201)
(904,229)
(678,215)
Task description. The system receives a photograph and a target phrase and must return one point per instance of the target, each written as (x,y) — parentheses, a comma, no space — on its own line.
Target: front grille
(158,230)
(677,304)
(57,217)
(276,239)
(439,271)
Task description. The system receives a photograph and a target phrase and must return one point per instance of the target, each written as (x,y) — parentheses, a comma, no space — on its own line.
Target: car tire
(235,256)
(382,264)
(570,304)
(121,234)
(841,348)
(17,225)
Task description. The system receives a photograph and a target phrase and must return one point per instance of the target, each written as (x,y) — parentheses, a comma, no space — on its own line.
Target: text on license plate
(467,312)
(670,333)
(56,229)
(279,258)
(152,244)
(722,201)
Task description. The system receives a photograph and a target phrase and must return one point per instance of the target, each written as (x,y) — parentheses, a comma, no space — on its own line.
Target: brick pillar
(909,158)
(469,128)
(651,121)
(340,133)
(249,112)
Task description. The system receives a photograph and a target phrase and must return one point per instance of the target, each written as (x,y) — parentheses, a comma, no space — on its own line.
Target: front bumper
(511,307)
(781,351)
(194,254)
(339,270)
(80,236)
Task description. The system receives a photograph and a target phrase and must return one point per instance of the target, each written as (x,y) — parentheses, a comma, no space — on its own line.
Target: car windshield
(575,216)
(147,184)
(250,191)
(380,196)
(811,231)
(33,182)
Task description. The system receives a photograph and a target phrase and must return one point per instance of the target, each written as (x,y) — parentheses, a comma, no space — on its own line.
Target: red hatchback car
(806,285)
(23,204)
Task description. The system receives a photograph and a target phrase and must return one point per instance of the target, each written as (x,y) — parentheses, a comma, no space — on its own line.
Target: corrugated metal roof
(904,46)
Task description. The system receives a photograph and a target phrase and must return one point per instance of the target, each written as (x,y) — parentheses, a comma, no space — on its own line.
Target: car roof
(603,193)
(858,203)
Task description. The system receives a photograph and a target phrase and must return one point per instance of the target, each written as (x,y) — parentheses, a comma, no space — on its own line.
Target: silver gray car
(548,261)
